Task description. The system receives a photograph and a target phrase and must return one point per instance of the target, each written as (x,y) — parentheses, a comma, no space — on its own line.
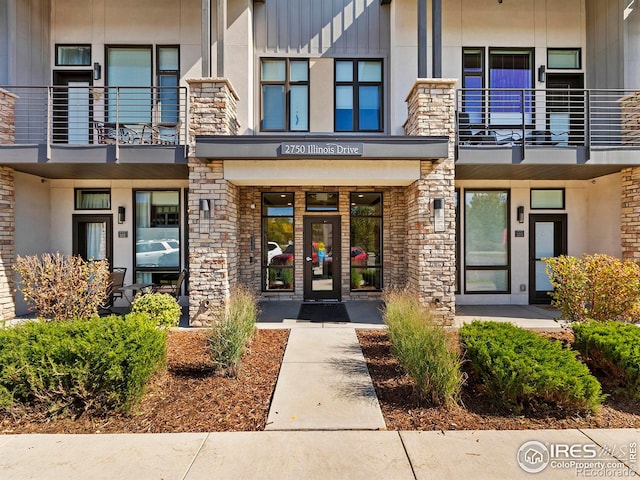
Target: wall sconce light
(121,214)
(542,74)
(205,207)
(520,214)
(97,71)
(438,214)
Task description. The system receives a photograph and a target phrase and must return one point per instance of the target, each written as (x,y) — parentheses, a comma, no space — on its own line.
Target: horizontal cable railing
(549,117)
(86,115)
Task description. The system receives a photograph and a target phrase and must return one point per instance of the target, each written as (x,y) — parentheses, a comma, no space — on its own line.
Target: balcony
(553,130)
(81,126)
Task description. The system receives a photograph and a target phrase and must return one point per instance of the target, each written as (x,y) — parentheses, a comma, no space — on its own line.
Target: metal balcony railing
(552,117)
(87,115)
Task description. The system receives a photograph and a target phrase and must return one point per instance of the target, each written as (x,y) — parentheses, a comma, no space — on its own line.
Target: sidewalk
(322,455)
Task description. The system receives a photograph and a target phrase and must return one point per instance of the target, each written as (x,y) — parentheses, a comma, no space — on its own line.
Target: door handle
(308,259)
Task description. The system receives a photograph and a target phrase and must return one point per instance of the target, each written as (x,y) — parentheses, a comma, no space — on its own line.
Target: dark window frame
(379,261)
(458,264)
(82,45)
(482,74)
(159,72)
(320,209)
(93,189)
(578,50)
(355,83)
(287,84)
(506,267)
(264,265)
(564,199)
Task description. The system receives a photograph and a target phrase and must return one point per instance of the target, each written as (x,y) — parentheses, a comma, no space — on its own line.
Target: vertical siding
(605,44)
(322,27)
(31,43)
(4,43)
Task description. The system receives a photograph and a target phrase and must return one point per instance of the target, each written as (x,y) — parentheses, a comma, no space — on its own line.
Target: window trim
(506,267)
(564,199)
(379,262)
(578,50)
(355,84)
(93,189)
(263,243)
(287,83)
(58,64)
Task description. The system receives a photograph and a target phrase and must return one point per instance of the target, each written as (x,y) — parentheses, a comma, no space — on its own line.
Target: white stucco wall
(593,226)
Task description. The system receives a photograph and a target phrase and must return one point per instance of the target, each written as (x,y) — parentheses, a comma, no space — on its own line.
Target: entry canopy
(291,147)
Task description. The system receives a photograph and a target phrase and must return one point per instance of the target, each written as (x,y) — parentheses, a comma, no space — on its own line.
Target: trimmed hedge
(161,308)
(521,369)
(613,347)
(96,365)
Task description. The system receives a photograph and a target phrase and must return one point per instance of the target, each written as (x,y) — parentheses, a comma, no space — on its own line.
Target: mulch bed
(402,411)
(188,397)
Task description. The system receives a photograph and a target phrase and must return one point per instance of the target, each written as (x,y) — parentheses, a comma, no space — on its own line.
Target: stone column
(431,269)
(630,106)
(630,223)
(7,210)
(213,233)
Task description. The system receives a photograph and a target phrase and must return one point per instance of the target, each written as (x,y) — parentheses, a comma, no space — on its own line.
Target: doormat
(323,312)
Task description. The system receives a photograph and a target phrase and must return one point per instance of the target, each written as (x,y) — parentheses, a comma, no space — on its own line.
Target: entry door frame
(62,78)
(78,219)
(559,247)
(336,258)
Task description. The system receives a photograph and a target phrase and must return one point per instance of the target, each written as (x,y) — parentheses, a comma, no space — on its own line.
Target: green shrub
(424,349)
(520,368)
(161,308)
(71,367)
(598,287)
(62,287)
(232,332)
(613,347)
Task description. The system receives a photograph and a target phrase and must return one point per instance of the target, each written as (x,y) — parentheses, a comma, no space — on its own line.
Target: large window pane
(366,241)
(299,114)
(344,108)
(273,107)
(486,234)
(278,255)
(510,69)
(157,220)
(129,67)
(487,280)
(369,98)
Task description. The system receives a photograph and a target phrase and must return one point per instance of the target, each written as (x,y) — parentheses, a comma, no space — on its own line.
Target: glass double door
(322,258)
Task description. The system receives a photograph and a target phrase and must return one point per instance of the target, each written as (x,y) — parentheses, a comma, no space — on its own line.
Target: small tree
(63,287)
(597,286)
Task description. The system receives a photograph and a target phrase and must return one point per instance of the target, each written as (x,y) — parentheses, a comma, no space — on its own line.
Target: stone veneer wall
(393,238)
(630,106)
(630,225)
(431,108)
(7,211)
(213,242)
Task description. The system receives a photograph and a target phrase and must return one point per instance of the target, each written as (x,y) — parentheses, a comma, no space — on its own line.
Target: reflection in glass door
(548,238)
(322,258)
(93,237)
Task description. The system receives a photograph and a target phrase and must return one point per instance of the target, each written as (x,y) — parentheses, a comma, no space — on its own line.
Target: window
(473,83)
(510,70)
(358,96)
(168,71)
(456,201)
(285,95)
(486,255)
(73,55)
(93,199)
(565,58)
(157,227)
(131,67)
(549,199)
(278,257)
(322,202)
(366,241)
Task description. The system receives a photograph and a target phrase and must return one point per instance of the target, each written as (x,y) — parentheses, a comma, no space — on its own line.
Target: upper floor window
(73,55)
(285,95)
(358,96)
(168,71)
(473,83)
(510,72)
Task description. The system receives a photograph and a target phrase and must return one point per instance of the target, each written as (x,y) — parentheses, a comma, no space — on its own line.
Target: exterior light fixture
(205,207)
(542,74)
(438,214)
(121,214)
(97,71)
(520,214)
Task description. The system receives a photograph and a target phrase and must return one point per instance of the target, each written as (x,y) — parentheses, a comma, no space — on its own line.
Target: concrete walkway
(351,455)
(324,384)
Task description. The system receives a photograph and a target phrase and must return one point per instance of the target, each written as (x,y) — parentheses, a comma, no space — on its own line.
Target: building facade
(323,150)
